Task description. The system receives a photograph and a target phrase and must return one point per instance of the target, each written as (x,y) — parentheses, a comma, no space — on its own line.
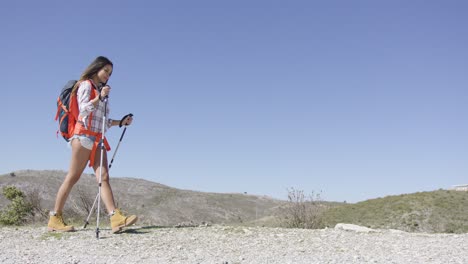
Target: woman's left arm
(112,122)
(126,122)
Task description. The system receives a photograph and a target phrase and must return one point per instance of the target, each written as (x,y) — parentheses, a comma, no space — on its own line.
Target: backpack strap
(95,146)
(60,106)
(97,140)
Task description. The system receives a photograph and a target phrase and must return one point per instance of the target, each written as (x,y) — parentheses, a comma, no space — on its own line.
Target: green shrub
(11,192)
(17,211)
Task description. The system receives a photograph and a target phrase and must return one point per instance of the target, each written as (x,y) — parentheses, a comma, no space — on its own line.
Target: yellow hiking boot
(119,221)
(56,223)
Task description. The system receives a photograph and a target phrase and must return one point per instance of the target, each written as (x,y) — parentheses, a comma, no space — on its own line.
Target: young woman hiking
(84,144)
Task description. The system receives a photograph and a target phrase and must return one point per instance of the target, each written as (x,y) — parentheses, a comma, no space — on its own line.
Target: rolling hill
(154,203)
(440,211)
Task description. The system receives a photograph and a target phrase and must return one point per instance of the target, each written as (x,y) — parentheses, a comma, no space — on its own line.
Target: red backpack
(67,110)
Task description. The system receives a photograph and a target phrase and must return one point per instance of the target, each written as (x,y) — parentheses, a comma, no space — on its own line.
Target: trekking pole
(120,140)
(110,165)
(90,211)
(100,165)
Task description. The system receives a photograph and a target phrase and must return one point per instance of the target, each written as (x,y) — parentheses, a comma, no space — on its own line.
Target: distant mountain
(154,203)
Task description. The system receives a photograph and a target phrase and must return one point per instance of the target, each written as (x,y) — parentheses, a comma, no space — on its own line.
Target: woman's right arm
(85,105)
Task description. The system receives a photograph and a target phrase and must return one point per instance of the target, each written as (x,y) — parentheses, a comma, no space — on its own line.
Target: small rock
(355,228)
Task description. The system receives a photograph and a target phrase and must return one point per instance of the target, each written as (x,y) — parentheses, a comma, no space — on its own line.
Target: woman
(84,144)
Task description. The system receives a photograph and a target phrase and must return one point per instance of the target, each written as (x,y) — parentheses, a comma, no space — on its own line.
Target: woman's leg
(117,219)
(106,190)
(79,159)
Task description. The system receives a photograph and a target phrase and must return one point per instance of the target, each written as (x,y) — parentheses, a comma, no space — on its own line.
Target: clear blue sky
(356,99)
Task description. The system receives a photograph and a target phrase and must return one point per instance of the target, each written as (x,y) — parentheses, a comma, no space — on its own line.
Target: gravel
(229,245)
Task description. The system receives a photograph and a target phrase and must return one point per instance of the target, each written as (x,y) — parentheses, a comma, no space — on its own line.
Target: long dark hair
(95,66)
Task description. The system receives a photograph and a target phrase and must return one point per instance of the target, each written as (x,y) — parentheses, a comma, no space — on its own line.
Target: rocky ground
(225,244)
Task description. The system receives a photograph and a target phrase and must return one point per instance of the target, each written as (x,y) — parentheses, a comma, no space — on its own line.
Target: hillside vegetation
(154,203)
(439,211)
(436,211)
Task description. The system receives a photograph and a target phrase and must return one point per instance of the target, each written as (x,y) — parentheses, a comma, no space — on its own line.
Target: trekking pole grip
(123,118)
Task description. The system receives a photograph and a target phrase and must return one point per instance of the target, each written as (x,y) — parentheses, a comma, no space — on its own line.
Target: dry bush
(81,205)
(38,213)
(301,211)
(84,201)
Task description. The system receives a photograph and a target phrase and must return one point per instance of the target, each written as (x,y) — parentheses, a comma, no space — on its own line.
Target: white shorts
(85,140)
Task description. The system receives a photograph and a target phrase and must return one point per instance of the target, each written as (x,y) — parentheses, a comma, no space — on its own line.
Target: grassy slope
(436,211)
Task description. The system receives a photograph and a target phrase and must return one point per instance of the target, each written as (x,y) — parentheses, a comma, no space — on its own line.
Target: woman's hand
(105,91)
(126,120)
